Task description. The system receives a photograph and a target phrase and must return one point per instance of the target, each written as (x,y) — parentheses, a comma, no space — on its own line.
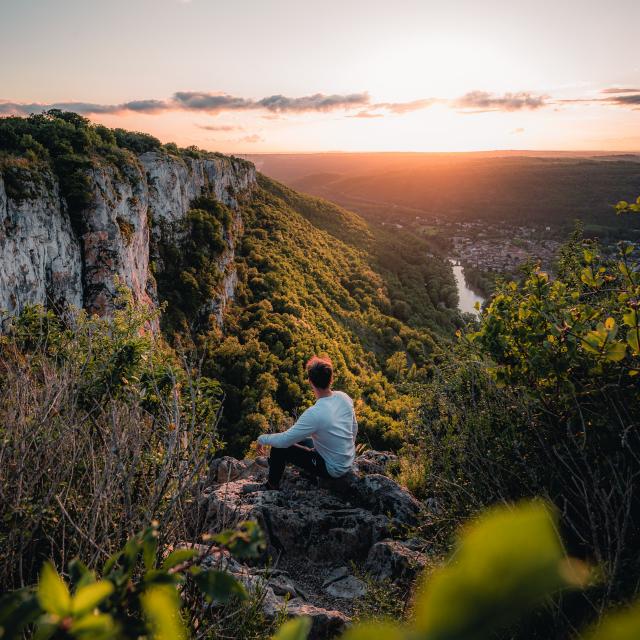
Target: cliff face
(40,253)
(47,258)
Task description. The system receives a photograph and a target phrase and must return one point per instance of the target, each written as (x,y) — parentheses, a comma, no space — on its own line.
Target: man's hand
(262,449)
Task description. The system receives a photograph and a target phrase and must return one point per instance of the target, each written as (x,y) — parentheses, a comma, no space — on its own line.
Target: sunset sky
(249,76)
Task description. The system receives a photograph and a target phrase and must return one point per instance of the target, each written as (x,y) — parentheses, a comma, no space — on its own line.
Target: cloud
(210,102)
(621,97)
(85,108)
(213,103)
(398,108)
(478,101)
(626,97)
(366,114)
(516,131)
(619,90)
(315,102)
(219,127)
(24,109)
(407,107)
(356,105)
(627,100)
(145,106)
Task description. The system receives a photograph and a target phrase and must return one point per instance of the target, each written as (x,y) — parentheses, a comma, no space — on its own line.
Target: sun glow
(444,66)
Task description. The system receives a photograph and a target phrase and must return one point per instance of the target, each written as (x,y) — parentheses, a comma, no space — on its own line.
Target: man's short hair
(320,372)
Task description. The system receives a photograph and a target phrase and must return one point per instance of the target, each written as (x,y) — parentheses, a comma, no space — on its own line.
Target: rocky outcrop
(48,259)
(41,254)
(317,532)
(395,560)
(175,183)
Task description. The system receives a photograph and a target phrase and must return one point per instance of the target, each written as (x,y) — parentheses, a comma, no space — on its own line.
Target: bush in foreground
(506,563)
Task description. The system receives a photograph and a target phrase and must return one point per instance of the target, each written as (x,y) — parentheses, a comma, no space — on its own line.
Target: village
(497,247)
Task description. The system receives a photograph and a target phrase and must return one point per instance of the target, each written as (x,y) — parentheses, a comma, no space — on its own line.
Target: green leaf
(587,277)
(219,586)
(247,541)
(160,576)
(161,606)
(624,625)
(375,631)
(110,563)
(630,318)
(178,557)
(633,335)
(45,630)
(296,629)
(94,627)
(633,340)
(90,596)
(507,561)
(149,549)
(79,574)
(592,342)
(53,594)
(615,351)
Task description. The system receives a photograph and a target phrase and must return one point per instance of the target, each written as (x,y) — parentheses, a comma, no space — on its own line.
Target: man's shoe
(253,487)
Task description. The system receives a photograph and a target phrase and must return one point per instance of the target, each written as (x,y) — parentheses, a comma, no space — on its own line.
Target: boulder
(225,469)
(394,560)
(348,588)
(379,494)
(325,623)
(335,574)
(300,519)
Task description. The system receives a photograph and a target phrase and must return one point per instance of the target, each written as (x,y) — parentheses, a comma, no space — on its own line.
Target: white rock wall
(42,260)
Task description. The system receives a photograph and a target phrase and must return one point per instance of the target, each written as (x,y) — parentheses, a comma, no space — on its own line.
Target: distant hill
(547,187)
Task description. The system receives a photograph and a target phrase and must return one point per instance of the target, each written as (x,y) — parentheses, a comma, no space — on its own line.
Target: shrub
(137,593)
(101,430)
(544,400)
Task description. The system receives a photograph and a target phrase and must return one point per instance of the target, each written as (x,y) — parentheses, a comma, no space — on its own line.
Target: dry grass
(80,471)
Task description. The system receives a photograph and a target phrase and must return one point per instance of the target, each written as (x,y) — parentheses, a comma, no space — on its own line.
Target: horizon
(416,77)
(560,152)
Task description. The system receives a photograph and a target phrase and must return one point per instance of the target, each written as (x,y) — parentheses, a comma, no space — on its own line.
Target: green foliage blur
(507,562)
(144,591)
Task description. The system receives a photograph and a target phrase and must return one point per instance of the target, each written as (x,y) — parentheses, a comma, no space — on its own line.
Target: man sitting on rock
(329,428)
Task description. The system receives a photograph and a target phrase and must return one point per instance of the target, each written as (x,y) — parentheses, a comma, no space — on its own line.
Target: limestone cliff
(52,258)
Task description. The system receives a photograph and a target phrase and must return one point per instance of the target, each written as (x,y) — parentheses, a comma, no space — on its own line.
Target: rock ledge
(319,533)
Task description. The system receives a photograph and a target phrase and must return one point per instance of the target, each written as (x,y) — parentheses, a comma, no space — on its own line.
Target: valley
(492,212)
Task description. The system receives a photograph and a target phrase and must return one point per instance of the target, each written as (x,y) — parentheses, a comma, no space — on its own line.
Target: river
(467,297)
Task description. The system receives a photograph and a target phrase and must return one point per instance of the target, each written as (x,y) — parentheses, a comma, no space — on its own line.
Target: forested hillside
(314,279)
